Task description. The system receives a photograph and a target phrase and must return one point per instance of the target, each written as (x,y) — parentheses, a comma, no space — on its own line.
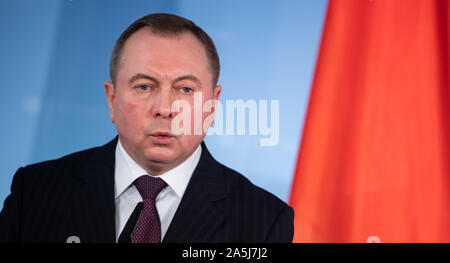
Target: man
(149,184)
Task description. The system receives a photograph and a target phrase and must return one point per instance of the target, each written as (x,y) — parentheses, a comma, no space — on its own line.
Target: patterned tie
(148,229)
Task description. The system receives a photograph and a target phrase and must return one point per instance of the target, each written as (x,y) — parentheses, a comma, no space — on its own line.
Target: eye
(186,89)
(143,87)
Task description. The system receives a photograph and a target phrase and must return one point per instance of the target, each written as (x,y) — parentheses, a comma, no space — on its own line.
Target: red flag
(374,162)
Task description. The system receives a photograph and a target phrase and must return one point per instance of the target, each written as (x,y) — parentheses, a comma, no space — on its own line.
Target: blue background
(54,58)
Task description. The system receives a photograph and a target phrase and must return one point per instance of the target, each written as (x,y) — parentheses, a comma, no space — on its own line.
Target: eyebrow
(189,77)
(142,76)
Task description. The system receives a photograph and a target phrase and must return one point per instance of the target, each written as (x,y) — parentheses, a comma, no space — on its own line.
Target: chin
(161,155)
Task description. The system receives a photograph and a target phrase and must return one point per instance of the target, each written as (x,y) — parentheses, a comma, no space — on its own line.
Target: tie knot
(149,187)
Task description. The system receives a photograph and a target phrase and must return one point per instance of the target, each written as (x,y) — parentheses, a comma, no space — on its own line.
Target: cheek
(196,116)
(188,142)
(129,114)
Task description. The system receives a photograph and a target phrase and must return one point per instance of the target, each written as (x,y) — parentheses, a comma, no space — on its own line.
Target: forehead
(169,55)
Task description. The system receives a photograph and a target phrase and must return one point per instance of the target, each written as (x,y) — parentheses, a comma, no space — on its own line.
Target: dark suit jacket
(74,196)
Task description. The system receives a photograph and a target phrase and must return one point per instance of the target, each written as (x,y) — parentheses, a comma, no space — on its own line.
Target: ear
(110,93)
(216,95)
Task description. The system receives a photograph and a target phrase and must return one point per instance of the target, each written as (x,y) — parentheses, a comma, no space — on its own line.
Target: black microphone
(127,232)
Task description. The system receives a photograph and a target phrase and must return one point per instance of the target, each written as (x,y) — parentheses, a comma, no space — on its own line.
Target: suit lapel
(93,205)
(199,216)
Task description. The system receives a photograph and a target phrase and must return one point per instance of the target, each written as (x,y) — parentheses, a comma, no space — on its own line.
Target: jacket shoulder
(240,185)
(74,162)
(56,177)
(67,162)
(39,197)
(259,215)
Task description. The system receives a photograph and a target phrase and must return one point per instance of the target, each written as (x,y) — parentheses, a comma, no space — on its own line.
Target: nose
(163,105)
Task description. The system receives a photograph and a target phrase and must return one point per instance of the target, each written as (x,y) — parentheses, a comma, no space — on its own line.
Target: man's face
(155,71)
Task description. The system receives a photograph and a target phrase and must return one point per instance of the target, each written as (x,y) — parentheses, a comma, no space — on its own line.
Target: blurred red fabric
(374,161)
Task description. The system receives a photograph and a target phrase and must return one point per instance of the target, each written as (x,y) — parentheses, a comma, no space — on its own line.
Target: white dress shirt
(167,201)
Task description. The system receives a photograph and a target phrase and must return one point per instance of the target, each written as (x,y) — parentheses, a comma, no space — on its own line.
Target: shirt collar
(177,178)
